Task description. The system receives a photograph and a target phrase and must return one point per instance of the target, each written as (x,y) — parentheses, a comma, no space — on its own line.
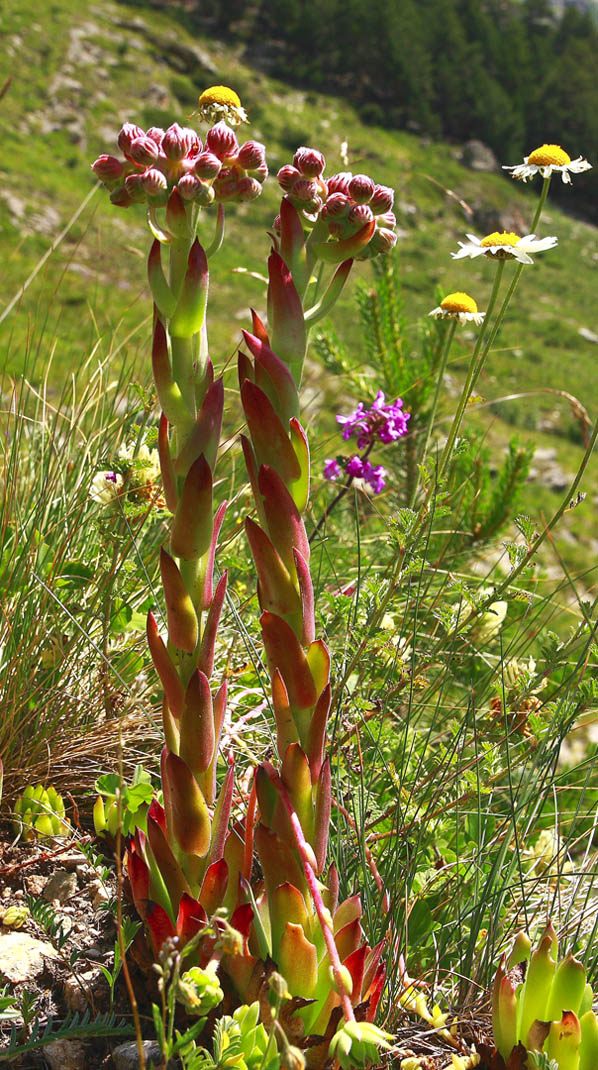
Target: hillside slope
(79,70)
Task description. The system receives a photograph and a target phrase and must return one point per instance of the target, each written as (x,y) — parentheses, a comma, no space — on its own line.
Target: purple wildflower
(355,467)
(385,421)
(332,469)
(374,476)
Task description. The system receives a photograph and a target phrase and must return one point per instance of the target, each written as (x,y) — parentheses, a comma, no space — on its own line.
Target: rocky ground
(57,907)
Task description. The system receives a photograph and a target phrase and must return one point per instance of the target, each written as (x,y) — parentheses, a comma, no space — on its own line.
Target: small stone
(478,157)
(79,989)
(23,957)
(590,336)
(125,1056)
(65,1055)
(100,895)
(60,887)
(35,883)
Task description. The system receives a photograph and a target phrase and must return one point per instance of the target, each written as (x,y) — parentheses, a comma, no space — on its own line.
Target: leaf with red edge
(214,886)
(298,961)
(288,335)
(269,437)
(191,529)
(190,817)
(160,927)
(205,435)
(165,668)
(355,963)
(190,919)
(334,252)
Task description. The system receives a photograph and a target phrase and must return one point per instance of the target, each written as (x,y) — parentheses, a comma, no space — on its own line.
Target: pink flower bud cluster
(345,202)
(356,468)
(157,160)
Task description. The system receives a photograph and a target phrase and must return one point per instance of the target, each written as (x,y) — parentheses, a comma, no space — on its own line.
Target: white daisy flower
(545,160)
(460,307)
(504,246)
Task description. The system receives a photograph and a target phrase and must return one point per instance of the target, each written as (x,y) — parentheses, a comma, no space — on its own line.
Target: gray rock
(23,957)
(65,1055)
(125,1056)
(478,157)
(60,887)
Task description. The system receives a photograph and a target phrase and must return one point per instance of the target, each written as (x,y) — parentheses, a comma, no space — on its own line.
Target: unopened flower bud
(108,168)
(338,206)
(248,189)
(153,182)
(382,199)
(387,219)
(192,188)
(310,162)
(222,141)
(346,979)
(207,166)
(339,183)
(293,1058)
(305,190)
(287,176)
(361,188)
(134,187)
(156,133)
(278,986)
(144,151)
(120,197)
(179,142)
(383,241)
(127,135)
(251,155)
(225,185)
(360,214)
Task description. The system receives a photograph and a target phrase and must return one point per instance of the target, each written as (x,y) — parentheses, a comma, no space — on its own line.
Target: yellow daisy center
(458,302)
(220,94)
(500,238)
(548,155)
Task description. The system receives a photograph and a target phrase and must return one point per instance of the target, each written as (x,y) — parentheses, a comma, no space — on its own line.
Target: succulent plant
(40,811)
(542,1008)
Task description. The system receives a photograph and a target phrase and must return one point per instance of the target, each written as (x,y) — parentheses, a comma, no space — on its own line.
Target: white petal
(473,239)
(521,256)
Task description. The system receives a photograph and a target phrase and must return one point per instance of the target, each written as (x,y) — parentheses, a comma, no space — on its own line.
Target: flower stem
(511,290)
(447,342)
(475,368)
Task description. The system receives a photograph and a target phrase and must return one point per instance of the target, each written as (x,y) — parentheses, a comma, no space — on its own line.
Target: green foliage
(130,801)
(73,1027)
(39,812)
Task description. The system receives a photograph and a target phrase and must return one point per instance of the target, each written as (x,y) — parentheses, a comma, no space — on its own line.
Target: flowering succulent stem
(312,883)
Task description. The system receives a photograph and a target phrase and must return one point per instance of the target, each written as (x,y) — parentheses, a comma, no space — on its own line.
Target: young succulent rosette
(541,1004)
